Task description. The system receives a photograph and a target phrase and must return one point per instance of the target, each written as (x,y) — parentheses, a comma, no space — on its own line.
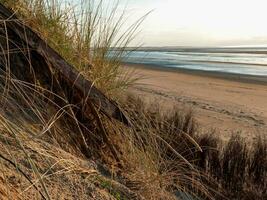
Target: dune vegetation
(48,153)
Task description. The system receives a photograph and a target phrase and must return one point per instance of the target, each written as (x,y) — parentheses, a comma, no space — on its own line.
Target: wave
(249,64)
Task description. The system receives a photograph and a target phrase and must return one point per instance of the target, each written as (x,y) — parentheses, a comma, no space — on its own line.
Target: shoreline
(262,80)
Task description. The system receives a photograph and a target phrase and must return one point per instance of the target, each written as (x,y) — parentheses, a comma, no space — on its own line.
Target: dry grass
(160,155)
(240,169)
(42,132)
(233,170)
(166,149)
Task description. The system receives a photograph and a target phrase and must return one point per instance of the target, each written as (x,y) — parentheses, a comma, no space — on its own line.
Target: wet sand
(230,103)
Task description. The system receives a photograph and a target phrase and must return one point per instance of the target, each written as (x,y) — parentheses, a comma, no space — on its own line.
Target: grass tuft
(90,35)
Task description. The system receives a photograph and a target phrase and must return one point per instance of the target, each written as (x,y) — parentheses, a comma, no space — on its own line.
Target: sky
(201,22)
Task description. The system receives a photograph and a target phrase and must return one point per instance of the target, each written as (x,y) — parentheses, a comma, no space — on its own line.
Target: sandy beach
(229,103)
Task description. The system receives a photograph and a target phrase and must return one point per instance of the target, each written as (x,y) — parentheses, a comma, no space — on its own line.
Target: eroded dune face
(40,91)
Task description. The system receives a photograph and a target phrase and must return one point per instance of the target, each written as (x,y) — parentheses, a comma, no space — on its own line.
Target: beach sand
(226,102)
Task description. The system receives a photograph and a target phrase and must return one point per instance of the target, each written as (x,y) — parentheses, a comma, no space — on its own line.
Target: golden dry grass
(158,154)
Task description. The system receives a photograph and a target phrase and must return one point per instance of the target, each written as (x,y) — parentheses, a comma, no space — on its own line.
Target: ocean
(246,61)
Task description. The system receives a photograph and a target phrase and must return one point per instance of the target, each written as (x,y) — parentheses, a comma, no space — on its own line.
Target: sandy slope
(227,105)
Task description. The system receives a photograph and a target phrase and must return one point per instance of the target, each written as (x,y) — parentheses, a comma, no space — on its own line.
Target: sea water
(246,61)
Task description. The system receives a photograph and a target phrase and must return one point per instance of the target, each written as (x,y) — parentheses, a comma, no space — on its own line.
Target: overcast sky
(202,22)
